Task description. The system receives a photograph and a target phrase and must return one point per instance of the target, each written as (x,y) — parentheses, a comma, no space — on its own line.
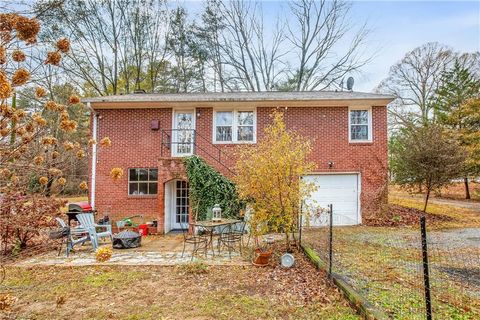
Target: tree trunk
(426,200)
(467,188)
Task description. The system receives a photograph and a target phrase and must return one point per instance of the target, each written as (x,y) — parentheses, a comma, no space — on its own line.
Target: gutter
(94,156)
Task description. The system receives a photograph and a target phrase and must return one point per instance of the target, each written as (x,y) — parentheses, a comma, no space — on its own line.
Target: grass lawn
(460,217)
(191,291)
(453,191)
(384,264)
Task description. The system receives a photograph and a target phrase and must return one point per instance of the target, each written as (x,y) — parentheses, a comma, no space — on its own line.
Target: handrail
(166,134)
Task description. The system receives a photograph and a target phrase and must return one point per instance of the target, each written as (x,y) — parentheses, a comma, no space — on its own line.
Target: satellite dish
(350,82)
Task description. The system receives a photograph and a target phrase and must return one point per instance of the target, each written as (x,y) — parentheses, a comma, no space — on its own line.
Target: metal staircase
(190,142)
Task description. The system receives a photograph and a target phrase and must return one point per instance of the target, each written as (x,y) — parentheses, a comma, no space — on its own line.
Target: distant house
(150,134)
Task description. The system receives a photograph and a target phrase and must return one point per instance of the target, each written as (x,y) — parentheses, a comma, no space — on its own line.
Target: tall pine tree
(456,109)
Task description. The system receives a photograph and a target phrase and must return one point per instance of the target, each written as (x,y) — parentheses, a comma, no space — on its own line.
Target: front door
(181,205)
(183,133)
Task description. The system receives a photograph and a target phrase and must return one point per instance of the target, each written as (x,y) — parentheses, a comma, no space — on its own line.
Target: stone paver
(132,258)
(155,250)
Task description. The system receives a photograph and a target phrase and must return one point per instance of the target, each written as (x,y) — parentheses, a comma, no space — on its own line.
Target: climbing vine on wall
(207,187)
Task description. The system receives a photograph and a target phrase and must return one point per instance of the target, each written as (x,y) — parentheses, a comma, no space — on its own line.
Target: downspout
(94,156)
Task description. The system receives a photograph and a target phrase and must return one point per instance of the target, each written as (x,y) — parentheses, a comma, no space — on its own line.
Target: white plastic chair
(75,236)
(87,221)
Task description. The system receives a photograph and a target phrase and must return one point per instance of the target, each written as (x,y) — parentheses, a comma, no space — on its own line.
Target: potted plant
(258,223)
(262,253)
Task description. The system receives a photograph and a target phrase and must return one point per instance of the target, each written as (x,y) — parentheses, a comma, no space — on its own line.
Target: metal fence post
(300,222)
(330,241)
(426,275)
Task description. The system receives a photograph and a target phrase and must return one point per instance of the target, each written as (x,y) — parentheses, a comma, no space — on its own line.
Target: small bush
(103,254)
(193,268)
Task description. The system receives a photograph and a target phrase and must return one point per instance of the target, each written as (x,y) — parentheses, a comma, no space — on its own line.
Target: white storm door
(183,134)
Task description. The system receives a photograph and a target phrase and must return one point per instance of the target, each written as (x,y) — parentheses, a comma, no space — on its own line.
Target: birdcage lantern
(217,213)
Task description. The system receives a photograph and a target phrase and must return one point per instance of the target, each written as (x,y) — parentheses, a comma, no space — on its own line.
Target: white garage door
(340,190)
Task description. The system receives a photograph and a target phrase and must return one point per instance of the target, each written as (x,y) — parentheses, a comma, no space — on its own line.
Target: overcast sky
(397,27)
(400,26)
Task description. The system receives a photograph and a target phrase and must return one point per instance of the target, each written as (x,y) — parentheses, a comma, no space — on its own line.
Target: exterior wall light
(330,164)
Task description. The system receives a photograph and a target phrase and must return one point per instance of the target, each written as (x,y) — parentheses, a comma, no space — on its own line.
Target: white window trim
(234,126)
(174,127)
(148,182)
(370,125)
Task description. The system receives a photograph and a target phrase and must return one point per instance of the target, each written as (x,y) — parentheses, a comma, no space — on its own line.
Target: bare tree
(254,58)
(316,30)
(157,30)
(414,80)
(113,42)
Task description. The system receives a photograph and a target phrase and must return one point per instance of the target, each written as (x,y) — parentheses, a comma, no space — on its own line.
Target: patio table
(210,225)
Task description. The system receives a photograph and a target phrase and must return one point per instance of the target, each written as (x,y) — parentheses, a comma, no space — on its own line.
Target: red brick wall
(134,144)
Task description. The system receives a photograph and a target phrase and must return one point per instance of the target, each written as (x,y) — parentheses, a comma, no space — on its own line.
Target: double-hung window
(142,181)
(360,124)
(234,126)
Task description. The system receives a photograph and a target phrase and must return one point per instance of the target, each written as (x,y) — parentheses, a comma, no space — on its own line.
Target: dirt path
(470,205)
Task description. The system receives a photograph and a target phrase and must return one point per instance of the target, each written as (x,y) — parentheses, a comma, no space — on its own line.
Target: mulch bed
(399,216)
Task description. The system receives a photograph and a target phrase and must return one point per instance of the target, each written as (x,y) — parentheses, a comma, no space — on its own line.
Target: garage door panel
(340,190)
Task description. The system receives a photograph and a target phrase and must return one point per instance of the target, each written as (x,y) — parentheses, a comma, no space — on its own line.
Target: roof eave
(96,103)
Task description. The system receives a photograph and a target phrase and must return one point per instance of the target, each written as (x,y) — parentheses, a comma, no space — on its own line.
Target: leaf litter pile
(400,216)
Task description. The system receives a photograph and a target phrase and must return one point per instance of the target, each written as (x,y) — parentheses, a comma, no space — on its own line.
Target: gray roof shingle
(242,96)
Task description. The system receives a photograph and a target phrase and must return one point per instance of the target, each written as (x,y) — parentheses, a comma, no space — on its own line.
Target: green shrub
(208,187)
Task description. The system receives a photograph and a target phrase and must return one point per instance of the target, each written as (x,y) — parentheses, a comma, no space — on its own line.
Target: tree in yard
(179,45)
(315,30)
(413,81)
(269,178)
(254,59)
(458,86)
(425,156)
(209,38)
(34,138)
(117,46)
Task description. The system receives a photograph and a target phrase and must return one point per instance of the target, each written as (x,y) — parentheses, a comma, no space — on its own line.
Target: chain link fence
(397,272)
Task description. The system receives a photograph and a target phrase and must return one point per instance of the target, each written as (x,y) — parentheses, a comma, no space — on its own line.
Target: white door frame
(170,203)
(174,132)
(174,202)
(359,188)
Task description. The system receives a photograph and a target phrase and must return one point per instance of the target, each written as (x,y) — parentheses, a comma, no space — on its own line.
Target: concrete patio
(155,250)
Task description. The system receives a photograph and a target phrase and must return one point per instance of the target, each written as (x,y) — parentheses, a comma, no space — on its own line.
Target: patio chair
(76,236)
(197,239)
(229,237)
(87,221)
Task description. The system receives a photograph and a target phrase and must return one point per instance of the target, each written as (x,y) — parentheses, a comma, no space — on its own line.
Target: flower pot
(261,257)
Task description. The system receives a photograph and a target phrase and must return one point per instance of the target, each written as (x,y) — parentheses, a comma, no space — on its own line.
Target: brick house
(151,133)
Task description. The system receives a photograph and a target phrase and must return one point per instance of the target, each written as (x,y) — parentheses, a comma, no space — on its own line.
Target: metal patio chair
(198,239)
(229,237)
